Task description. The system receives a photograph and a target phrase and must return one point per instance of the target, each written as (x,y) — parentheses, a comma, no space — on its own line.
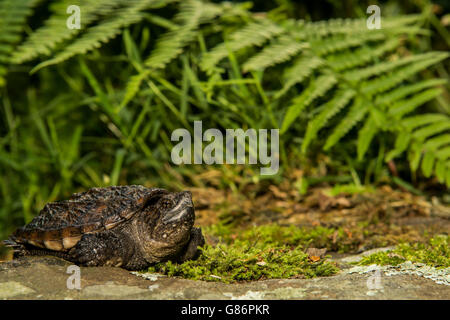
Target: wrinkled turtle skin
(125,226)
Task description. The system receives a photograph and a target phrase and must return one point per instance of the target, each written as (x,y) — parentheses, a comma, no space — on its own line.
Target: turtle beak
(183,210)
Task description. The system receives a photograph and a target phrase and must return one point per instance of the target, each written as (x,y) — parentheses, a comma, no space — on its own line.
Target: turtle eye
(166,204)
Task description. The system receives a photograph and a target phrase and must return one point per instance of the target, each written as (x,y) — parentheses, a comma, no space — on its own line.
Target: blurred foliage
(96,106)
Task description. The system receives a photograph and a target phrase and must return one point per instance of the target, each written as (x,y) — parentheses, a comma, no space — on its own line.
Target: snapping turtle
(124,226)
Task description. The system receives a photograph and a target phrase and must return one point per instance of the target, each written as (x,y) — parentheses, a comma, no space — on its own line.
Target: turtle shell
(60,225)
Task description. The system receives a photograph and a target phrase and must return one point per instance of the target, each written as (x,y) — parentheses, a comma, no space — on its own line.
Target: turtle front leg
(191,250)
(102,249)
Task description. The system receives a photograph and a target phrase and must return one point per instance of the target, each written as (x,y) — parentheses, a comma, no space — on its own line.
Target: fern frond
(384,83)
(13,15)
(360,56)
(44,40)
(414,156)
(103,32)
(316,89)
(402,92)
(208,11)
(336,43)
(432,162)
(441,170)
(430,145)
(365,136)
(170,45)
(428,131)
(413,122)
(356,113)
(402,107)
(394,23)
(428,164)
(443,154)
(321,29)
(437,142)
(300,70)
(447,179)
(401,144)
(383,67)
(281,50)
(253,34)
(133,86)
(192,14)
(328,110)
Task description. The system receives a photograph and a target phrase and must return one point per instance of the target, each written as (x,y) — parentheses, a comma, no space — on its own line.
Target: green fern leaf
(253,34)
(436,142)
(440,171)
(384,83)
(133,86)
(428,131)
(413,122)
(171,44)
(414,156)
(43,40)
(447,179)
(279,51)
(301,69)
(103,32)
(443,154)
(356,113)
(402,92)
(13,15)
(321,29)
(360,56)
(316,89)
(402,107)
(401,144)
(328,110)
(431,144)
(336,43)
(428,164)
(383,67)
(365,136)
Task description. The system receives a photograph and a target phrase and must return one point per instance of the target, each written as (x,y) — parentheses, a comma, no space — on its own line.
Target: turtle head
(174,221)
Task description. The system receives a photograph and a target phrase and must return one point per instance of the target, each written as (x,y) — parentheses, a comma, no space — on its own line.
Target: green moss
(333,238)
(276,235)
(274,251)
(435,253)
(259,253)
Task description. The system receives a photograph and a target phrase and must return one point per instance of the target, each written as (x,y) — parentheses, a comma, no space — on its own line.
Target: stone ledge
(46,278)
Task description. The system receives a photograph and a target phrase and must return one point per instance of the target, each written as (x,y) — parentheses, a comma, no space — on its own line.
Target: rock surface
(49,278)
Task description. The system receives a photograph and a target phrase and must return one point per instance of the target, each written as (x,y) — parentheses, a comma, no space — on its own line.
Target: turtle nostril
(184,210)
(186,197)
